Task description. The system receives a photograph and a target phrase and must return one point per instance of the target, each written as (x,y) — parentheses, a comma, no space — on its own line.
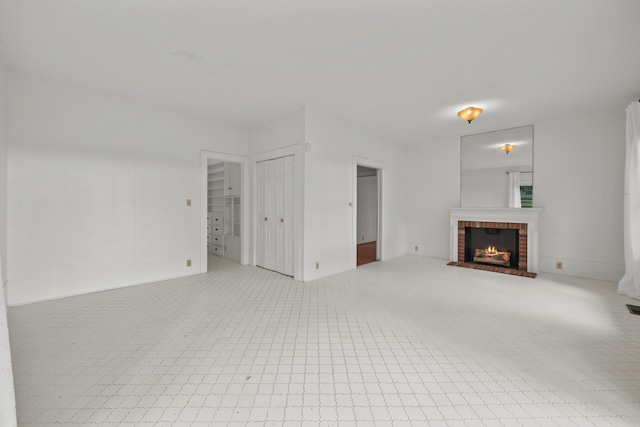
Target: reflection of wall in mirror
(526,178)
(484,182)
(488,188)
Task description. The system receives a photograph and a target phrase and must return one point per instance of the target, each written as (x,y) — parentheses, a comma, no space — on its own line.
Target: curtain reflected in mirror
(496,169)
(513,198)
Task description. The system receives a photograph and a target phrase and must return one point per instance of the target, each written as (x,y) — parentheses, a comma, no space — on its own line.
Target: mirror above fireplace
(496,169)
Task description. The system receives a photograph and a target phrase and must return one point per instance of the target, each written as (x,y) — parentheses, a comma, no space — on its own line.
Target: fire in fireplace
(490,255)
(493,246)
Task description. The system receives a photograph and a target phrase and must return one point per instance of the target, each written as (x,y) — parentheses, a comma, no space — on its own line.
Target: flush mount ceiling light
(469,113)
(507,148)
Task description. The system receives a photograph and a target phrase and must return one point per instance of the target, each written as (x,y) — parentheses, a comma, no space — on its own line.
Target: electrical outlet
(362,237)
(416,248)
(317,265)
(559,265)
(188,263)
(188,202)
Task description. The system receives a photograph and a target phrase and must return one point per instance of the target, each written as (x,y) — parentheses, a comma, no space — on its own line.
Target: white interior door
(275,214)
(265,175)
(278,220)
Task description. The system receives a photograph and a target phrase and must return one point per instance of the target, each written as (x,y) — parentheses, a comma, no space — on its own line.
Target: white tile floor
(409,341)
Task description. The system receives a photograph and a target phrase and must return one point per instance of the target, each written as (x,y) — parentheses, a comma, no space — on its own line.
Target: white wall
(325,172)
(7,392)
(434,188)
(578,181)
(98,187)
(282,132)
(367,209)
(3,172)
(329,227)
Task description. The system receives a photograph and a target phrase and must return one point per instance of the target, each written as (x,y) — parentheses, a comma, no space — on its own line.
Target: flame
(493,253)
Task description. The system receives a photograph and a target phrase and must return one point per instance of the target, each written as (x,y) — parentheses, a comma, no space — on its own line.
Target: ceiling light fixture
(469,113)
(507,148)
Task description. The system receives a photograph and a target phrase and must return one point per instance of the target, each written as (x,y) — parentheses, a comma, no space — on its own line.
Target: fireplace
(503,240)
(502,236)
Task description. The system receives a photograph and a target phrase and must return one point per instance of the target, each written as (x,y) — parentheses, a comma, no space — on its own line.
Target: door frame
(244,197)
(373,164)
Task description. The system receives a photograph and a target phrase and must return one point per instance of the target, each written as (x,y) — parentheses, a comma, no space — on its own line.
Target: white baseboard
(427,250)
(30,290)
(582,268)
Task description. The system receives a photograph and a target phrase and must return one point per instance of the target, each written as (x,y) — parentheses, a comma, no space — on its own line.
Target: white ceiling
(401,68)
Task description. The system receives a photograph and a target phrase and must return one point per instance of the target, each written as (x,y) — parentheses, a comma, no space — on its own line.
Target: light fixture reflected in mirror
(507,148)
(469,113)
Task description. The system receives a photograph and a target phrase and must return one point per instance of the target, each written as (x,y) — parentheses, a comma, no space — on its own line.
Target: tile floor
(409,341)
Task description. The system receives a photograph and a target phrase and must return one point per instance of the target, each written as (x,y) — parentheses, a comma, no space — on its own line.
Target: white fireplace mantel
(527,216)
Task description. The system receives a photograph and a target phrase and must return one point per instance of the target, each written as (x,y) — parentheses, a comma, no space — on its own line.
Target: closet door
(278,219)
(275,215)
(265,250)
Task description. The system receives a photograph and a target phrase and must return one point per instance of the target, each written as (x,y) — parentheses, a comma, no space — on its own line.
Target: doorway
(367,214)
(223,211)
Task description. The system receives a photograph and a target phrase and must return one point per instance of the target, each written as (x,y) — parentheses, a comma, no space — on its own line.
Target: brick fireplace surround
(525,220)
